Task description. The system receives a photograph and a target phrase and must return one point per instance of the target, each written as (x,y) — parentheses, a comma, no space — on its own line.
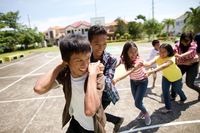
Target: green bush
(49,45)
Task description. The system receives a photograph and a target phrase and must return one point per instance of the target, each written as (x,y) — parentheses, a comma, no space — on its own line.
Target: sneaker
(147,119)
(140,116)
(181,101)
(118,125)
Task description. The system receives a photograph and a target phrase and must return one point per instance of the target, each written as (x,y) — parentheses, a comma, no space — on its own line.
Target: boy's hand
(101,68)
(94,68)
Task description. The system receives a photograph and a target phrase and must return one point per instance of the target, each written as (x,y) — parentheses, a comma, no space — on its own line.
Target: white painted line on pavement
(48,56)
(19,61)
(18,76)
(27,74)
(30,122)
(31,99)
(162,125)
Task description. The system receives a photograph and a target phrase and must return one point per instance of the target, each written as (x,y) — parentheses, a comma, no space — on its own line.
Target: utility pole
(95,8)
(29,22)
(153,16)
(152,9)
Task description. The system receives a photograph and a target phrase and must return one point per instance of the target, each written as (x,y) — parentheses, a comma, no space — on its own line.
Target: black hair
(188,37)
(169,49)
(154,42)
(96,30)
(74,43)
(124,55)
(197,40)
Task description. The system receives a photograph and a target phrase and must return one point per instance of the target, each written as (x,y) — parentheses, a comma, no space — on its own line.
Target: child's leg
(177,87)
(154,79)
(165,90)
(190,77)
(141,90)
(133,88)
(183,69)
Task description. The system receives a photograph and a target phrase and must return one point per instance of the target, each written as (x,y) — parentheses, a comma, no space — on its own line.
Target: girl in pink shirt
(138,79)
(187,61)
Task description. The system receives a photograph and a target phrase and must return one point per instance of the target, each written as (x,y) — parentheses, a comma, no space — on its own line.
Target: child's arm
(118,63)
(159,68)
(150,63)
(114,81)
(92,99)
(45,83)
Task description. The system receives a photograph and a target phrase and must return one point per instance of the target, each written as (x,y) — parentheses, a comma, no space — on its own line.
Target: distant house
(179,24)
(111,28)
(53,34)
(80,27)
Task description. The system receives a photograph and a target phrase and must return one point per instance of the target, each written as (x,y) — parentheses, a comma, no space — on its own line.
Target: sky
(48,13)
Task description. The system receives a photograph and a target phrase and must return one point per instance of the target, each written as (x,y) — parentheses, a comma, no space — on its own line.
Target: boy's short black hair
(154,42)
(96,30)
(73,44)
(169,49)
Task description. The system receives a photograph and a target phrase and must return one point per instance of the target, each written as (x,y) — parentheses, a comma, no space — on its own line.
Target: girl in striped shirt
(138,79)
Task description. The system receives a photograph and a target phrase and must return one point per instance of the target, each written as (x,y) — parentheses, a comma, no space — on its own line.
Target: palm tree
(192,20)
(142,17)
(169,22)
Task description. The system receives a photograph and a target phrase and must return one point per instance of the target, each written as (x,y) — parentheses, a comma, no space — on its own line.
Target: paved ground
(23,111)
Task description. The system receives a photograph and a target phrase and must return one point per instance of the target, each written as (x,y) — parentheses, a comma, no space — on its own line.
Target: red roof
(77,24)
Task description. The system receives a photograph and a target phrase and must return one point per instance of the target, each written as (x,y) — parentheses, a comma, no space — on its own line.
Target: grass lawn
(139,42)
(26,52)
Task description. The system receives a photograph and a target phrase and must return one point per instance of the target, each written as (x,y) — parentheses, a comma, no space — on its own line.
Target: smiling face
(98,44)
(78,64)
(132,53)
(163,53)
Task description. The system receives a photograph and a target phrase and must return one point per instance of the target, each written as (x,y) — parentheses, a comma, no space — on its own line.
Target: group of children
(162,58)
(86,73)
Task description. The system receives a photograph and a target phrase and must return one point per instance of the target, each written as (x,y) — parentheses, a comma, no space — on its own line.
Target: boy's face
(156,46)
(98,44)
(78,64)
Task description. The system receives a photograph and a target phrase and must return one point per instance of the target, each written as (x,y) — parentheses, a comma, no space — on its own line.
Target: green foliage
(49,45)
(135,29)
(9,19)
(142,17)
(13,33)
(168,23)
(192,20)
(152,27)
(121,27)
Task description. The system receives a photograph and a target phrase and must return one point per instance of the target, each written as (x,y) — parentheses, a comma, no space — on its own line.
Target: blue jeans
(138,89)
(191,73)
(176,86)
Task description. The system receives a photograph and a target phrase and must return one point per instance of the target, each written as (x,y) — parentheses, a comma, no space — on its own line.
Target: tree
(121,27)
(152,27)
(142,17)
(169,22)
(9,20)
(192,20)
(135,29)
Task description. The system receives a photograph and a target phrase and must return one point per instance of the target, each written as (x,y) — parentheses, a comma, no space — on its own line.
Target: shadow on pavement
(159,118)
